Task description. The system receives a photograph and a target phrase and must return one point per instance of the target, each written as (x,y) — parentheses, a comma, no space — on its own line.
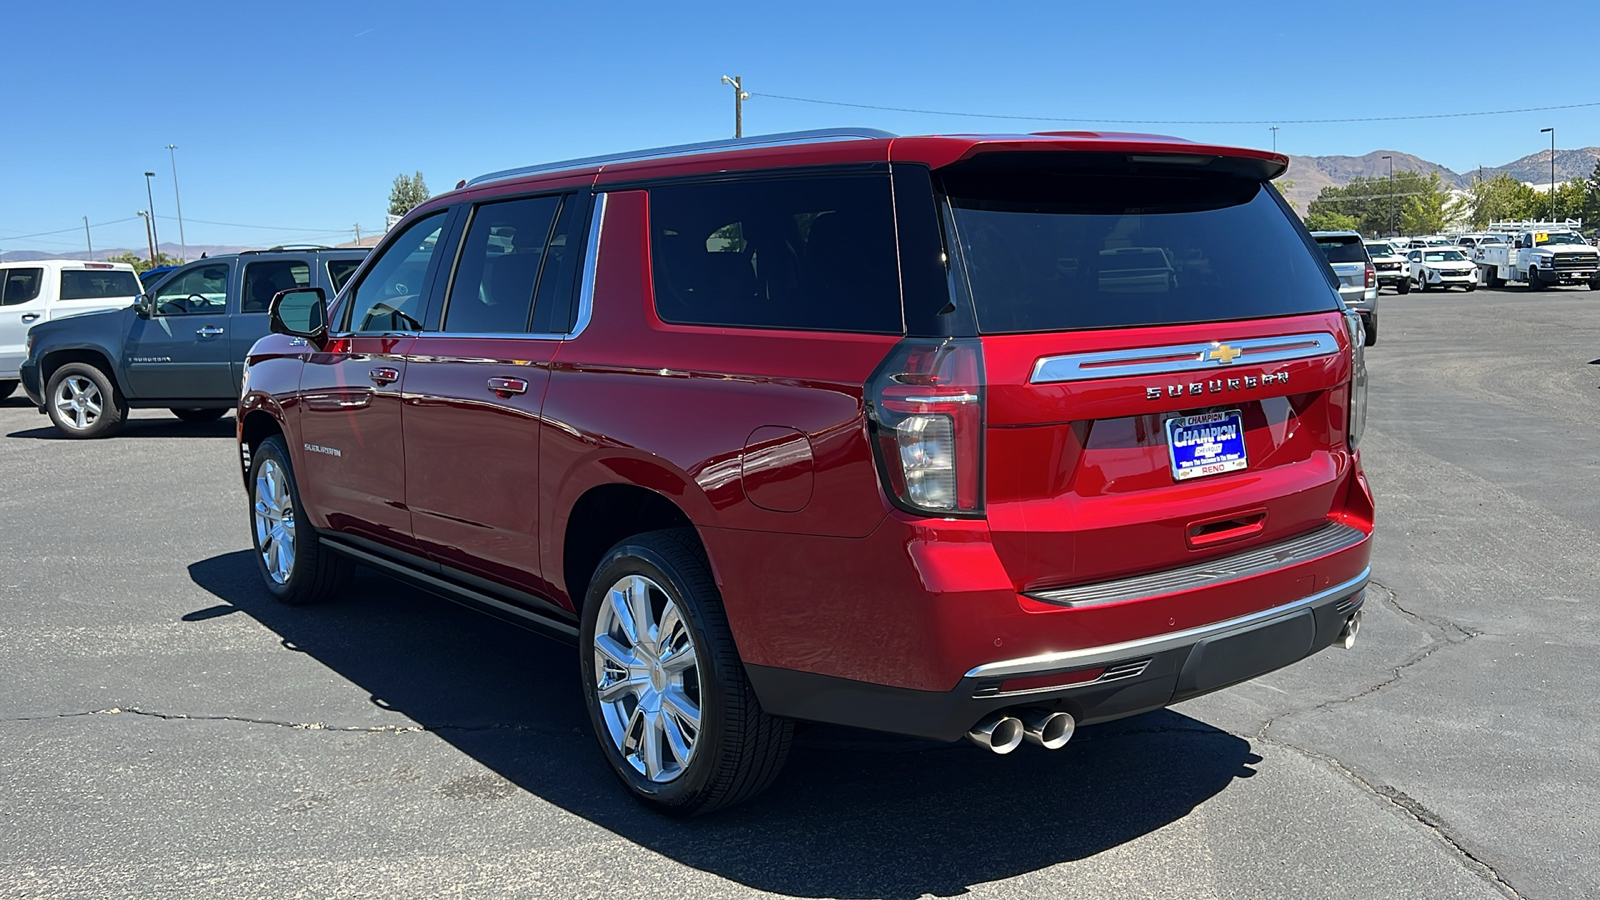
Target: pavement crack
(297,726)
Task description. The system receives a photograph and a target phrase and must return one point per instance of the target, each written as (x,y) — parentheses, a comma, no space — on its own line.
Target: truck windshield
(1556,237)
(96,284)
(1052,248)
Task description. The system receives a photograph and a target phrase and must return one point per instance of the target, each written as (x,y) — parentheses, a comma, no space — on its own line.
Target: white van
(43,289)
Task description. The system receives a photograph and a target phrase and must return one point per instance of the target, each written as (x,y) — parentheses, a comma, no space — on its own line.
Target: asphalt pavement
(167,730)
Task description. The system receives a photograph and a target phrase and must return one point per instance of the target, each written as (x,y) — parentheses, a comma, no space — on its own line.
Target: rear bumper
(1117,680)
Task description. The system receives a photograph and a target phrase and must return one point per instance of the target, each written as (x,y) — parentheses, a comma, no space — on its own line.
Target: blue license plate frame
(1206,444)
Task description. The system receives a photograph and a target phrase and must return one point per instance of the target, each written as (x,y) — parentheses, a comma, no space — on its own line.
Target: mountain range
(1311,174)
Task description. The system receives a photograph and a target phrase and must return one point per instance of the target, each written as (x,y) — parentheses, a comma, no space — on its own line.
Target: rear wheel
(295,566)
(1371,329)
(667,694)
(83,403)
(199,415)
(7,388)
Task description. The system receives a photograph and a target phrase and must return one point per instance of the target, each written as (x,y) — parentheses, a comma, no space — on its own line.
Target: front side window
(20,285)
(815,253)
(492,292)
(198,291)
(264,279)
(390,296)
(98,284)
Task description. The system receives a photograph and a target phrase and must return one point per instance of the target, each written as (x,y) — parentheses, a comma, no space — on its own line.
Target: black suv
(180,346)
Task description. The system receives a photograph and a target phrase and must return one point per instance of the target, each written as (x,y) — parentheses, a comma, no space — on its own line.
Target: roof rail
(281,248)
(816,136)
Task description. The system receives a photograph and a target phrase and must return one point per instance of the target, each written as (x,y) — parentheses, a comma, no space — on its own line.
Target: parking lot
(168,730)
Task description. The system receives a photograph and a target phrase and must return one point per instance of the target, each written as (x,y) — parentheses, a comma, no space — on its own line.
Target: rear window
(1342,250)
(814,253)
(94,284)
(1057,250)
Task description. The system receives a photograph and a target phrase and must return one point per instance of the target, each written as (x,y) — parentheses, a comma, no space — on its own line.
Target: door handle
(209,331)
(383,375)
(30,317)
(505,387)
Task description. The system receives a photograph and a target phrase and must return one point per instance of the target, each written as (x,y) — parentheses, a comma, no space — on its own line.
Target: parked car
(1441,267)
(181,347)
(1390,266)
(837,427)
(154,276)
(1358,277)
(43,290)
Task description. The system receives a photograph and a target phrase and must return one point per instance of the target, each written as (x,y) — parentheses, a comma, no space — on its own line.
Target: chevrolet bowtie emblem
(1222,353)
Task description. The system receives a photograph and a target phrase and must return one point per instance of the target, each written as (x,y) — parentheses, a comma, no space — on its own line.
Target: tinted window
(800,253)
(203,289)
(20,285)
(267,277)
(340,270)
(96,284)
(492,291)
(1342,250)
(553,307)
(1057,249)
(390,296)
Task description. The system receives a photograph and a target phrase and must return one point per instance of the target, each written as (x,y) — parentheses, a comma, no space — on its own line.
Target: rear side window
(340,270)
(1059,249)
(500,260)
(264,279)
(20,285)
(814,254)
(1342,249)
(96,284)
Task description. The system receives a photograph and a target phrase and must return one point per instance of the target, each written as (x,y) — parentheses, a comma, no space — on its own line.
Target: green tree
(408,194)
(1374,203)
(1590,208)
(1502,198)
(1326,220)
(1428,209)
(142,265)
(1283,188)
(1569,200)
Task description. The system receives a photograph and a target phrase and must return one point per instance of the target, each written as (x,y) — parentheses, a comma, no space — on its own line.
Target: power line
(973,115)
(265,227)
(18,237)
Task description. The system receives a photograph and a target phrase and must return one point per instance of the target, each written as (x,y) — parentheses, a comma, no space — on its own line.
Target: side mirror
(302,313)
(144,306)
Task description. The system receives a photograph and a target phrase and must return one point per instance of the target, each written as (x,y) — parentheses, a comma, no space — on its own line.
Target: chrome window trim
(1330,538)
(1179,358)
(1090,656)
(591,267)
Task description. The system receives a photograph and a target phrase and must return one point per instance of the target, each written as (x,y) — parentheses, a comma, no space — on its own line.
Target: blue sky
(298,115)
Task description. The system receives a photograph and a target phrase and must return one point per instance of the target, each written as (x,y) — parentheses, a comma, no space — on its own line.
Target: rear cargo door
(1165,363)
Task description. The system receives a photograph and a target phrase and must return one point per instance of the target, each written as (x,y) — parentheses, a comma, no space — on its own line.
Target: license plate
(1207,444)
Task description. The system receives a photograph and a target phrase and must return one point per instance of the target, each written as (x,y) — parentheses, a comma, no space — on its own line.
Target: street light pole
(88,239)
(1552,171)
(739,97)
(183,243)
(155,239)
(1274,139)
(149,236)
(1391,194)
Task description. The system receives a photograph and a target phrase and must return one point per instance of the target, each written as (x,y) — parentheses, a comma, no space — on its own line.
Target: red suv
(941,436)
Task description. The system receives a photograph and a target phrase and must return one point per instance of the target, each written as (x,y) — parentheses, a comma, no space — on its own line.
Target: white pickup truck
(44,289)
(1539,254)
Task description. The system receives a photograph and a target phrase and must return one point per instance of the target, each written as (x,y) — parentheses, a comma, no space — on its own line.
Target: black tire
(1470,287)
(1371,324)
(1404,287)
(96,390)
(7,388)
(737,750)
(1594,285)
(315,573)
(1491,277)
(1534,284)
(1422,284)
(199,415)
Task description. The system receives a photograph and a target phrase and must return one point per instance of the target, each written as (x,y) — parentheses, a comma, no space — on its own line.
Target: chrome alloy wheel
(79,401)
(274,518)
(647,678)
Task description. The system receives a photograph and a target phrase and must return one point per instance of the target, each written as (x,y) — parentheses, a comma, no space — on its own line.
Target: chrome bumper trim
(1330,538)
(1106,653)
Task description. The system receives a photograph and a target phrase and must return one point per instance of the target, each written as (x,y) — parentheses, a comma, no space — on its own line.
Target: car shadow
(224,427)
(855,814)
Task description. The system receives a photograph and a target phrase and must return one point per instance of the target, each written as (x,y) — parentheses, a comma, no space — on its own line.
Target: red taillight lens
(926,407)
(1372,275)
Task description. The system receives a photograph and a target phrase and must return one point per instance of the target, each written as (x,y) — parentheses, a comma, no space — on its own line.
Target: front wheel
(1422,284)
(7,388)
(1404,287)
(295,566)
(1594,285)
(667,695)
(83,403)
(1534,284)
(199,415)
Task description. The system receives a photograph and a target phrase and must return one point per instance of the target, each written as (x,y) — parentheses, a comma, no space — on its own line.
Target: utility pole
(1391,194)
(88,238)
(155,240)
(739,97)
(149,235)
(358,234)
(1274,139)
(1552,171)
(183,243)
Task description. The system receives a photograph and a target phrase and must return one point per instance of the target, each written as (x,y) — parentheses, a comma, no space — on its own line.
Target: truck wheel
(83,403)
(1404,286)
(199,415)
(667,694)
(1491,277)
(1534,284)
(1371,327)
(7,388)
(295,566)
(1594,285)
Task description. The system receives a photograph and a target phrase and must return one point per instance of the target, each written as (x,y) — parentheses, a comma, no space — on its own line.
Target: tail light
(925,403)
(1358,375)
(1372,275)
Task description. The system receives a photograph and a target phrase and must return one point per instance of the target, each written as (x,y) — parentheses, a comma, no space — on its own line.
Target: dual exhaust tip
(1004,731)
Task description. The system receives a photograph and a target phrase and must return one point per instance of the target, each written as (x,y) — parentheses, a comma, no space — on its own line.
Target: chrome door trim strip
(591,267)
(1181,358)
(1330,538)
(1045,663)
